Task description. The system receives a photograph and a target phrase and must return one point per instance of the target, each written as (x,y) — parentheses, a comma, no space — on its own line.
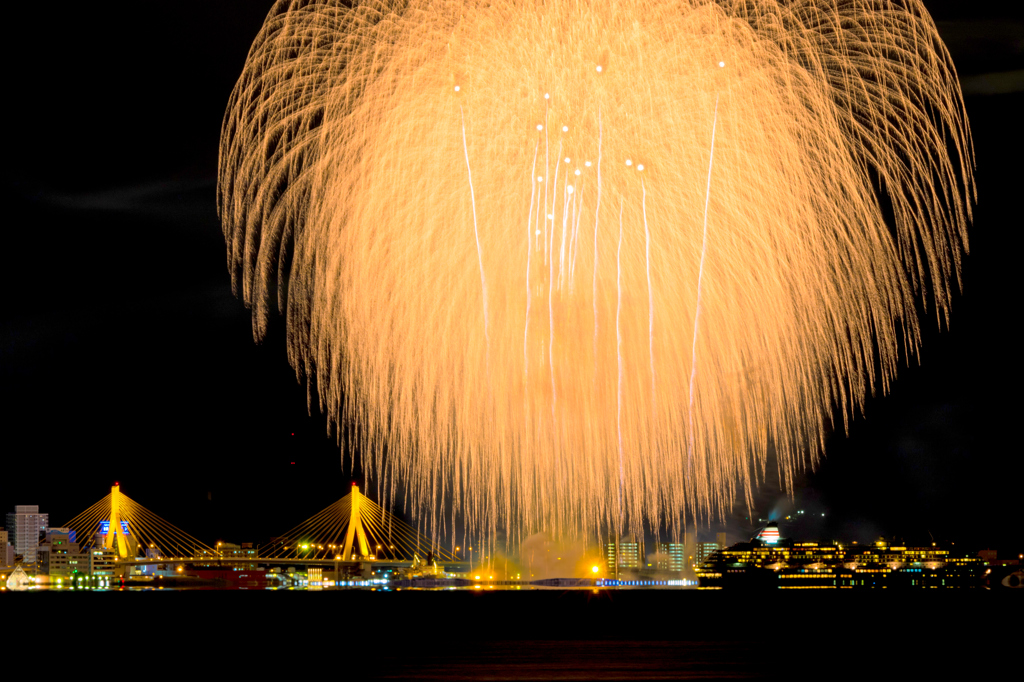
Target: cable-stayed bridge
(355,530)
(119,522)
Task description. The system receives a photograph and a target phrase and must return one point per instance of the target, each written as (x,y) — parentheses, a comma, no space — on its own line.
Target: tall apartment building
(628,550)
(672,556)
(704,550)
(25,527)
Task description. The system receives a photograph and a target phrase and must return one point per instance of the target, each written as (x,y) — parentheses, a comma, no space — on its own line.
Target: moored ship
(769,562)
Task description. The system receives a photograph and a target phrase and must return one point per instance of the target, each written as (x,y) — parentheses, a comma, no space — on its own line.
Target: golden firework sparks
(583,262)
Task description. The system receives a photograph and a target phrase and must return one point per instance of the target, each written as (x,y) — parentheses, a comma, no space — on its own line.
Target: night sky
(124,355)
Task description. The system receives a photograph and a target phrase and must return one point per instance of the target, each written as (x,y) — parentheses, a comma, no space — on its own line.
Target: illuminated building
(230,550)
(705,550)
(102,561)
(673,556)
(245,551)
(26,525)
(60,555)
(810,565)
(6,550)
(625,554)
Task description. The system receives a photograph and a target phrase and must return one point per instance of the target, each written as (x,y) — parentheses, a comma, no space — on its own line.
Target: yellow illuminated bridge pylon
(133,531)
(352,529)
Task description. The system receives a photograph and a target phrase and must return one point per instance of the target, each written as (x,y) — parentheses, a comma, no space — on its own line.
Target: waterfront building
(672,556)
(59,555)
(810,565)
(18,580)
(229,550)
(6,550)
(25,527)
(103,561)
(626,553)
(705,550)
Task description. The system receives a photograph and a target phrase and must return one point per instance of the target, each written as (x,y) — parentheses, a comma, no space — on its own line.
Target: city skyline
(117,540)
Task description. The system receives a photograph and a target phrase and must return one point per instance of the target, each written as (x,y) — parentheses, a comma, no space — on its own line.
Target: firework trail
(700,279)
(348,203)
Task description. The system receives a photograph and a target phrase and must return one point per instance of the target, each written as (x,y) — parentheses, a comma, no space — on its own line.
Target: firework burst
(584,263)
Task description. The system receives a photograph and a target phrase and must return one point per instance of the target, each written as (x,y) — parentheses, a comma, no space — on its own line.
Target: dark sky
(124,355)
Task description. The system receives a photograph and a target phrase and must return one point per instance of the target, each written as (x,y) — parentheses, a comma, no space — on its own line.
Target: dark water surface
(558,635)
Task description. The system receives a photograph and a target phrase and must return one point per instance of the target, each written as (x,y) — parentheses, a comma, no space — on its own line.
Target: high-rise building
(672,556)
(704,550)
(26,526)
(629,553)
